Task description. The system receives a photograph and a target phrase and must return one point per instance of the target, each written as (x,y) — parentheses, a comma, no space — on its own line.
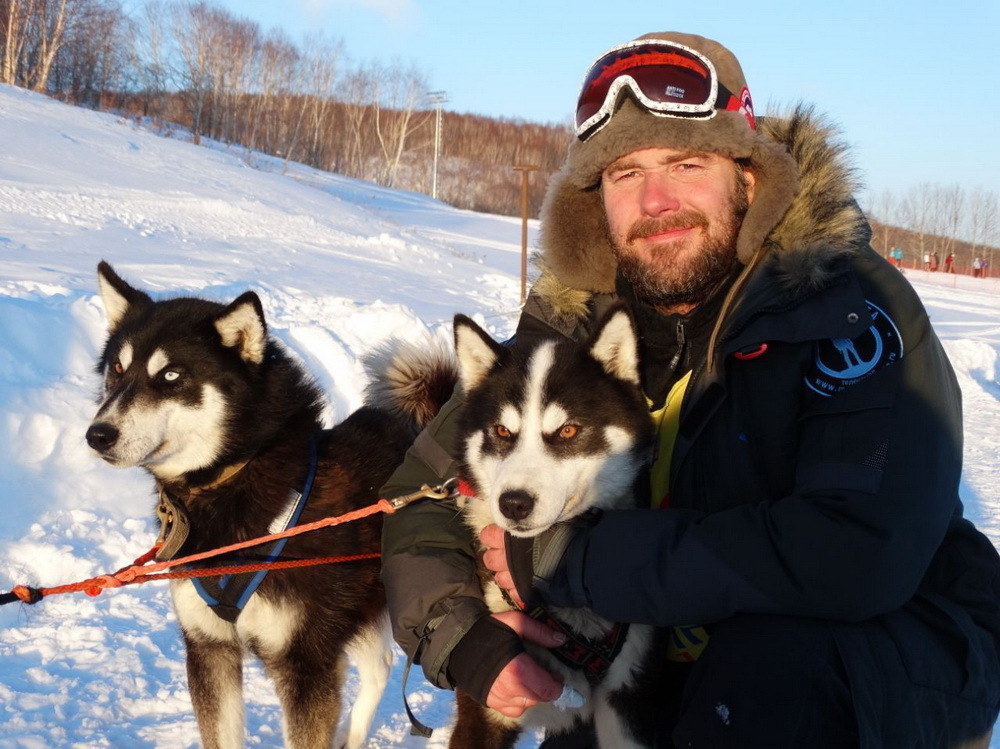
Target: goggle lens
(671,78)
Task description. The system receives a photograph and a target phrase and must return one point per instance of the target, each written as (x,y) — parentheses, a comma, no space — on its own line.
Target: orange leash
(141,571)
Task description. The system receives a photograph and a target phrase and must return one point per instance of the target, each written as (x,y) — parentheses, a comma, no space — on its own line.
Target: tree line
(929,222)
(195,65)
(198,66)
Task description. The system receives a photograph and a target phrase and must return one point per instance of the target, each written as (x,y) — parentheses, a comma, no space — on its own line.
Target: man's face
(673,217)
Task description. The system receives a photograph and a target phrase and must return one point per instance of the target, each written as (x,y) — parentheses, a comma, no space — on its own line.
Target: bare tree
(274,131)
(151,52)
(982,224)
(882,209)
(352,150)
(917,214)
(15,23)
(951,204)
(991,222)
(95,61)
(398,91)
(50,20)
(235,45)
(320,68)
(190,25)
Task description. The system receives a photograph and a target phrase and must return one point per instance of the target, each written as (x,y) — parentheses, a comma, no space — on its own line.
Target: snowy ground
(340,265)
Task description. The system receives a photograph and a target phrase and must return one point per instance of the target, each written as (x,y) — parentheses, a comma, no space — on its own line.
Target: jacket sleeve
(428,556)
(877,468)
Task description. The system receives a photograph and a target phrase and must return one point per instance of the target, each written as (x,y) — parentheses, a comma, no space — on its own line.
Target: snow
(340,265)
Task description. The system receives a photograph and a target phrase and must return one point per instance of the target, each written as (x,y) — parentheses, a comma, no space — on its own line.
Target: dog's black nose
(516,504)
(102,436)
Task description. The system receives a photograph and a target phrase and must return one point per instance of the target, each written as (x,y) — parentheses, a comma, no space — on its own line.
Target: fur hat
(573,235)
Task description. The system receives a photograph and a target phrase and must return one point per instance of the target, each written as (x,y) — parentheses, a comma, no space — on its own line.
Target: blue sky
(914,86)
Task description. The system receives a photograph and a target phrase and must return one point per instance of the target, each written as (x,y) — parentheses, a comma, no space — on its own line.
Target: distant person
(977,267)
(935,261)
(949,263)
(811,556)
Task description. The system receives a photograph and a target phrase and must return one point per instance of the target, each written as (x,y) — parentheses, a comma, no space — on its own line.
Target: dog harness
(227,595)
(591,656)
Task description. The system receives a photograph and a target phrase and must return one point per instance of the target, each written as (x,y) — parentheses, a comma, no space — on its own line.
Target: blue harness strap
(226,595)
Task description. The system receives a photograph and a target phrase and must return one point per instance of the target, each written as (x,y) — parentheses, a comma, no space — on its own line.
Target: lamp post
(438,98)
(524,169)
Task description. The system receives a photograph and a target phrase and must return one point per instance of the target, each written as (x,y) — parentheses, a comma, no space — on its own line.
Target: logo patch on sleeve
(842,362)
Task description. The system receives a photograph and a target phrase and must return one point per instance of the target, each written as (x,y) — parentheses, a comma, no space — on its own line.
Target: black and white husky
(229,426)
(549,432)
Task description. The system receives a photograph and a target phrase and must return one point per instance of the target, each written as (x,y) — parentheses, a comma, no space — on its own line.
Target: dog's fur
(194,390)
(549,432)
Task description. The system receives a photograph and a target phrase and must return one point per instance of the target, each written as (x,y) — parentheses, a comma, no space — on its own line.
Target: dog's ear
(119,298)
(241,326)
(615,345)
(477,352)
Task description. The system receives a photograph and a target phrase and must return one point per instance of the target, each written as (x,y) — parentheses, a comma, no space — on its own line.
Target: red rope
(141,571)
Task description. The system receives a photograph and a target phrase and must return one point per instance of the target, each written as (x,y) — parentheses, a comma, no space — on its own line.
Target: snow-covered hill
(340,265)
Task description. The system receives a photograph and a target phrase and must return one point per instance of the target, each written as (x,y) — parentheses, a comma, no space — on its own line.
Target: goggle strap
(725,101)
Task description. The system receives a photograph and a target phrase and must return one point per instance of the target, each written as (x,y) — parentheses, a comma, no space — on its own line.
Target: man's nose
(660,195)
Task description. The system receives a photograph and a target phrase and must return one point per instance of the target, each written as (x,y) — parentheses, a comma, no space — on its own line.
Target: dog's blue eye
(171,376)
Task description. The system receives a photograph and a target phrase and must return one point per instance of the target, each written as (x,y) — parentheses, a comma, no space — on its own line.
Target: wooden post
(524,169)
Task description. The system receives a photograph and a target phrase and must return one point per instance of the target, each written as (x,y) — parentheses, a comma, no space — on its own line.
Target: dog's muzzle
(102,436)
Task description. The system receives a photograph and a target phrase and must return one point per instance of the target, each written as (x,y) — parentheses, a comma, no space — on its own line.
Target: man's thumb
(531,630)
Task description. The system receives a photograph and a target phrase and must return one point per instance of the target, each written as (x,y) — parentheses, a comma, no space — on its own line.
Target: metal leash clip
(443,491)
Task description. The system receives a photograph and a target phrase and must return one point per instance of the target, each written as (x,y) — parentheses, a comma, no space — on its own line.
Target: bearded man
(801,529)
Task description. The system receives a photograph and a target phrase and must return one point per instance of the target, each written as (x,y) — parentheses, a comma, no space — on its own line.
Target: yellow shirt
(688,641)
(667,420)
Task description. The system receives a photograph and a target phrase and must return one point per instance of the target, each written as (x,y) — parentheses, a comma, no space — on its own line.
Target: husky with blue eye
(228,424)
(550,431)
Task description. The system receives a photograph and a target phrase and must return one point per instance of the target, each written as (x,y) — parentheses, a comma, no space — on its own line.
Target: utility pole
(438,98)
(524,169)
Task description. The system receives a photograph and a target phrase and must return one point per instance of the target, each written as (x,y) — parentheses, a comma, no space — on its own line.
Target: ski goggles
(667,78)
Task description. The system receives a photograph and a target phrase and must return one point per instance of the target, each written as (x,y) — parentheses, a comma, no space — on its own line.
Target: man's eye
(617,176)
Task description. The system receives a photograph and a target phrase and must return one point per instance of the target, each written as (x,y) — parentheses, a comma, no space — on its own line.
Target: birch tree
(190,28)
(50,20)
(398,92)
(15,24)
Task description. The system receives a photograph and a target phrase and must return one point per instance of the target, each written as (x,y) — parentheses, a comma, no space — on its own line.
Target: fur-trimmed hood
(806,220)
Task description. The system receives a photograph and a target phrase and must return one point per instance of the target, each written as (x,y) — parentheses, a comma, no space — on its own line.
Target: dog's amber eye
(502,431)
(118,367)
(569,431)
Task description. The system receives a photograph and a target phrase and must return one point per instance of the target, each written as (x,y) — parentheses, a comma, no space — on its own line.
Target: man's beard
(664,283)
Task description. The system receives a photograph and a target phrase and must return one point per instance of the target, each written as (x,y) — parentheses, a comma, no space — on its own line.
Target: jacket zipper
(678,357)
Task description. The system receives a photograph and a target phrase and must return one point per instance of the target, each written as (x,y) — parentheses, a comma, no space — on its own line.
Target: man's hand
(523,683)
(524,566)
(495,559)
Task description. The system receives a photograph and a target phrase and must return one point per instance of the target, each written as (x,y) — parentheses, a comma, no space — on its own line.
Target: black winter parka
(815,474)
